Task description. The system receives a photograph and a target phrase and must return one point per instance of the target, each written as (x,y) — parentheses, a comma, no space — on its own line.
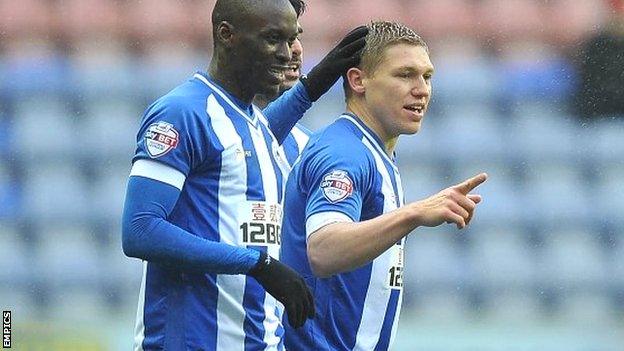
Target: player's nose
(297,49)
(283,53)
(421,88)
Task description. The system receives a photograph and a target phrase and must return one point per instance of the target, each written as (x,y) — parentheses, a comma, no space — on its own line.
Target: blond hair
(381,35)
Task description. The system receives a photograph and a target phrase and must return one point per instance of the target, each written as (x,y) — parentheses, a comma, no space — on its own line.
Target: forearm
(146,234)
(287,110)
(344,246)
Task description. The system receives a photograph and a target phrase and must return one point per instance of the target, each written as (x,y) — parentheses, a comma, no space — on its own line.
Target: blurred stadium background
(541,267)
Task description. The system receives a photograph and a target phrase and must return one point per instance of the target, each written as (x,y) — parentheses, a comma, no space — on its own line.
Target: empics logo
(160,138)
(336,186)
(6,329)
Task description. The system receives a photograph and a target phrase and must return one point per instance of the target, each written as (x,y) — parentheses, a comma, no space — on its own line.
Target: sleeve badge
(336,186)
(161,138)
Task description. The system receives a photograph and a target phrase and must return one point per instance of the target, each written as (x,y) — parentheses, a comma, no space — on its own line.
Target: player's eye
(274,38)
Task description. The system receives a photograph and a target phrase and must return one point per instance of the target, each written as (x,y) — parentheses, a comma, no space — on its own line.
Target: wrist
(412,215)
(261,263)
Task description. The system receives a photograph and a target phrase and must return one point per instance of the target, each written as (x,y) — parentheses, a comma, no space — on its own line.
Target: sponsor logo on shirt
(260,223)
(161,138)
(336,186)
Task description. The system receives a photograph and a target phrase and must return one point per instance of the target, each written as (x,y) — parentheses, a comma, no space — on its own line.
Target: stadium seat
(30,18)
(587,307)
(44,127)
(608,140)
(68,256)
(420,179)
(512,306)
(431,261)
(468,131)
(440,306)
(573,259)
(19,300)
(500,259)
(478,76)
(107,192)
(541,133)
(77,304)
(90,19)
(556,193)
(10,191)
(14,272)
(54,190)
(109,128)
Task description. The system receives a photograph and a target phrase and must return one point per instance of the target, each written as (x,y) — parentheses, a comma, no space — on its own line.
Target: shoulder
(337,148)
(339,140)
(184,106)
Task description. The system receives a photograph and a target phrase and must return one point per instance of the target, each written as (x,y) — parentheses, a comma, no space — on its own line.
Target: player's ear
(225,33)
(355,77)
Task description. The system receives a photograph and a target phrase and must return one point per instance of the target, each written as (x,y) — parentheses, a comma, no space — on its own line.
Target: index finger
(466,186)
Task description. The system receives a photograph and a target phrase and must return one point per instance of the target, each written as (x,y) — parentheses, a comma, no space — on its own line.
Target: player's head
(393,81)
(252,44)
(293,73)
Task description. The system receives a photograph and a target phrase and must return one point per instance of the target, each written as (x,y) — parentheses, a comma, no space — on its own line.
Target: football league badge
(160,138)
(336,186)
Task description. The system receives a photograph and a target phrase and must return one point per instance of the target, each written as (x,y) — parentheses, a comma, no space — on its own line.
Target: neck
(358,108)
(261,101)
(226,78)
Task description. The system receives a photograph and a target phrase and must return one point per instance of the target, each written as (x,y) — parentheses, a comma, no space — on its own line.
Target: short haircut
(381,35)
(299,6)
(238,12)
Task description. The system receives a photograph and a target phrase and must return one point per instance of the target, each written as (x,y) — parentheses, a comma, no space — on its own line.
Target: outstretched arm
(343,246)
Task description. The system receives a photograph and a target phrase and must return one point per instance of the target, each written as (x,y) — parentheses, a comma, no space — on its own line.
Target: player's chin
(269,90)
(411,128)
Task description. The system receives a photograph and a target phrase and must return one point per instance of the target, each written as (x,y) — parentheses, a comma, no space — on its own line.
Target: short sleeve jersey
(234,172)
(344,175)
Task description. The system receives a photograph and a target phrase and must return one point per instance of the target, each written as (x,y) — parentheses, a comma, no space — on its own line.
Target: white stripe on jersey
(158,171)
(300,137)
(377,295)
(217,90)
(269,183)
(321,219)
(374,145)
(280,156)
(395,323)
(139,328)
(230,312)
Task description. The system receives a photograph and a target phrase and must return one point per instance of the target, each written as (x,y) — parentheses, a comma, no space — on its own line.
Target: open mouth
(418,109)
(293,71)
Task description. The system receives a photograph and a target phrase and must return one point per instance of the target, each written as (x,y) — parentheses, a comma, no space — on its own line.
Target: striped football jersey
(231,172)
(344,174)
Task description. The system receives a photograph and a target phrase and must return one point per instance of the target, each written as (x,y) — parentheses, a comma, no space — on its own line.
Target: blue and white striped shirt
(344,174)
(231,173)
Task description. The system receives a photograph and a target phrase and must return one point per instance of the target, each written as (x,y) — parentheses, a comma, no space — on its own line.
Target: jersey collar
(370,135)
(236,104)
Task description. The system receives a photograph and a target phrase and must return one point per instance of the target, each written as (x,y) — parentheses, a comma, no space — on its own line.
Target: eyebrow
(412,69)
